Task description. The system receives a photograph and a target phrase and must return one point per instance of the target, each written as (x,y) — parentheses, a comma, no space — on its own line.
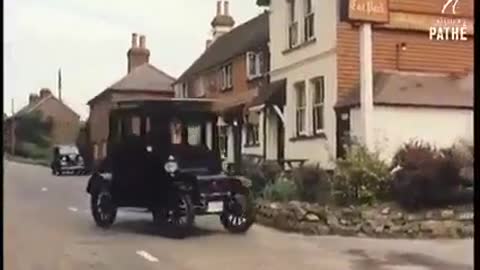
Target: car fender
(97,180)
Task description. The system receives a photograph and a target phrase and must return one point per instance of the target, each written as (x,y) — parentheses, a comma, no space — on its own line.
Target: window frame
(318,105)
(292,25)
(252,130)
(309,21)
(226,75)
(300,109)
(258,63)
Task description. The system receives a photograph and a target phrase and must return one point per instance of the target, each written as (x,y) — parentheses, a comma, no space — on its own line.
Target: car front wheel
(177,220)
(238,215)
(103,208)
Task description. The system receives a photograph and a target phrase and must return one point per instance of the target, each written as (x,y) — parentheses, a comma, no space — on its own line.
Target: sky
(89,39)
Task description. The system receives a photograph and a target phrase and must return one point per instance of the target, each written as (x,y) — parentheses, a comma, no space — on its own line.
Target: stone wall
(382,221)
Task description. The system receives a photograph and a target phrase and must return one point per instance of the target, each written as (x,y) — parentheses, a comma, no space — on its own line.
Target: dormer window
(255,62)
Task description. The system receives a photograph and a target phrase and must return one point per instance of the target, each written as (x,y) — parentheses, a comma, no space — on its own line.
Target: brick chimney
(33,98)
(137,54)
(45,92)
(223,21)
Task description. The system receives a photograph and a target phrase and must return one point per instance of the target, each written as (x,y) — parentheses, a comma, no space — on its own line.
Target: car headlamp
(171,166)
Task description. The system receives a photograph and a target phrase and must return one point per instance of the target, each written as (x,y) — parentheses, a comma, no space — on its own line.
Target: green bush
(312,184)
(281,191)
(260,174)
(33,151)
(361,177)
(431,178)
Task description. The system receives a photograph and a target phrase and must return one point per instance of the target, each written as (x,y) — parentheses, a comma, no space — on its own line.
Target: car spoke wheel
(179,219)
(103,208)
(238,215)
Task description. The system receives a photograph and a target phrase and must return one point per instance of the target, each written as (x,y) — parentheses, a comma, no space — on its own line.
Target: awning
(271,94)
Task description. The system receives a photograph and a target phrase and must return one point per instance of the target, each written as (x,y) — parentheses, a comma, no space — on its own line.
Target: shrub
(280,191)
(428,177)
(260,174)
(413,154)
(361,177)
(32,151)
(312,184)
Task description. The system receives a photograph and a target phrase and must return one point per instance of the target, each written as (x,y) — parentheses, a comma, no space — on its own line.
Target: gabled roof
(143,78)
(35,105)
(417,89)
(247,36)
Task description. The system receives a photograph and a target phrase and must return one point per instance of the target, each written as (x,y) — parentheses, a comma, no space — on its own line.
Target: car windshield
(68,150)
(193,132)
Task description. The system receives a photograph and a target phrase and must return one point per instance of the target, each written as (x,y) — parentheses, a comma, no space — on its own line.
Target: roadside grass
(40,162)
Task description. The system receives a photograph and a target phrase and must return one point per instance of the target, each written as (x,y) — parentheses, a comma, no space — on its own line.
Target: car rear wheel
(103,208)
(238,215)
(177,220)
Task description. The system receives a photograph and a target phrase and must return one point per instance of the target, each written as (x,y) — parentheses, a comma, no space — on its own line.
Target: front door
(343,132)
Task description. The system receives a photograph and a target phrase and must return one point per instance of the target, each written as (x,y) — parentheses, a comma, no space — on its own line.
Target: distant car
(67,159)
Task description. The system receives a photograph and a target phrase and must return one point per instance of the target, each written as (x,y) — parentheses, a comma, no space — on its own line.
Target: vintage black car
(67,159)
(160,158)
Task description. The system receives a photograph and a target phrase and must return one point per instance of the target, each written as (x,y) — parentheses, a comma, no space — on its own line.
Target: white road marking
(73,209)
(44,189)
(147,256)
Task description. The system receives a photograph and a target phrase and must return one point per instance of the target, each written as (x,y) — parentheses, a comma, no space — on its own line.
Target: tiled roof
(143,78)
(417,89)
(247,36)
(36,104)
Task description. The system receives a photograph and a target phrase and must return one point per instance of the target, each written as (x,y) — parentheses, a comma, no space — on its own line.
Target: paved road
(48,227)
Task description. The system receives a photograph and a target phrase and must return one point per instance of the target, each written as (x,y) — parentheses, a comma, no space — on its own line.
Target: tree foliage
(31,128)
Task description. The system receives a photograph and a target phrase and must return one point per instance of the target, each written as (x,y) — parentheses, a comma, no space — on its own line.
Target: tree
(31,128)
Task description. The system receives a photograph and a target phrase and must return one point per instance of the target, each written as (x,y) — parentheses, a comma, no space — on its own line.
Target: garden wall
(383,221)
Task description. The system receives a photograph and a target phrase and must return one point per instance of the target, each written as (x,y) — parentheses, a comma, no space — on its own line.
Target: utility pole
(12,129)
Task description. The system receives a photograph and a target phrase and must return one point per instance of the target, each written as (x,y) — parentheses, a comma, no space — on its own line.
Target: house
(345,78)
(143,81)
(65,121)
(232,70)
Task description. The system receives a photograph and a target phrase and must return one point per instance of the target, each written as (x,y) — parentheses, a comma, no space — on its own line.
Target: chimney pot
(142,41)
(219,8)
(44,92)
(225,9)
(134,40)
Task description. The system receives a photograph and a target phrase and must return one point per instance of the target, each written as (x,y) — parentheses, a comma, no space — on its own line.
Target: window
(309,22)
(194,132)
(184,90)
(300,108)
(255,64)
(136,123)
(104,149)
(252,128)
(292,25)
(226,77)
(95,151)
(223,140)
(318,104)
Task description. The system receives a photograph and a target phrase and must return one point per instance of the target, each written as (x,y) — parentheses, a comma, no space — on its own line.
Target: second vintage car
(67,159)
(160,158)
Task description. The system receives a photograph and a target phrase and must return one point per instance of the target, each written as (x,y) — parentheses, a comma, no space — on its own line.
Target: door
(343,132)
